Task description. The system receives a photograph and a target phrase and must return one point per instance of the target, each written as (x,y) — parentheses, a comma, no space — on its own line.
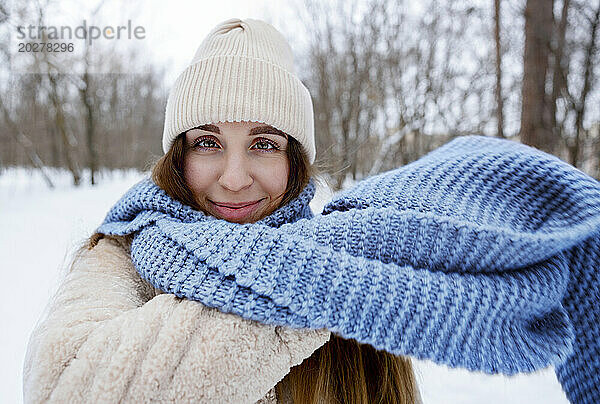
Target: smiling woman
(174,172)
(237,171)
(239,146)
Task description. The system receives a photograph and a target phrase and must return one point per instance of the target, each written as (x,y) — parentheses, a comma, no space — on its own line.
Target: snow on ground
(41,228)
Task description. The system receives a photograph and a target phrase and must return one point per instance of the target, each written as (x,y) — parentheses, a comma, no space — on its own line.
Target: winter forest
(390,80)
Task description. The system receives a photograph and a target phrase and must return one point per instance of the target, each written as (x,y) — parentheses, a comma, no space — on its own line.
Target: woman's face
(236,164)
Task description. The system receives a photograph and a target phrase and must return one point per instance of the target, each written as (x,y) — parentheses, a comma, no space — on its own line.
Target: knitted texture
(242,71)
(483,254)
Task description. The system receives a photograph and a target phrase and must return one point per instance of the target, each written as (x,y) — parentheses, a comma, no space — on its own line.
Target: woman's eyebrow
(209,128)
(267,129)
(254,131)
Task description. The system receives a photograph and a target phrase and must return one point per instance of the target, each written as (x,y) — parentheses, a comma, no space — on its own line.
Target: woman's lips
(230,213)
(236,205)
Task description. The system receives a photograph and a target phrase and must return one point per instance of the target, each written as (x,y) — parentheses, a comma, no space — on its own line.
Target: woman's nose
(236,174)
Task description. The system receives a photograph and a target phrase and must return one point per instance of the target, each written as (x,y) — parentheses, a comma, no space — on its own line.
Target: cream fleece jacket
(109,336)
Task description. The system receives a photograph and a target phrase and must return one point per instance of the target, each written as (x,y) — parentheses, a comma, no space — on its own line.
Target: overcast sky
(172,29)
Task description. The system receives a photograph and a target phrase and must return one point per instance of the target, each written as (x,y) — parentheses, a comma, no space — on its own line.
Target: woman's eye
(204,143)
(266,145)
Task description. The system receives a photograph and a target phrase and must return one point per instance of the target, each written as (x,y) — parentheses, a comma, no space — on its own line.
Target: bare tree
(345,62)
(61,126)
(382,95)
(16,132)
(99,119)
(87,98)
(27,145)
(580,104)
(88,104)
(499,100)
(536,127)
(56,94)
(560,68)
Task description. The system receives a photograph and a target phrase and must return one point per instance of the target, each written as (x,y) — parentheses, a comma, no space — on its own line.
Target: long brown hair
(342,370)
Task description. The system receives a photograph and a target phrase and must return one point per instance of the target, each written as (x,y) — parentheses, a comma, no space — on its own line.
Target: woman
(238,144)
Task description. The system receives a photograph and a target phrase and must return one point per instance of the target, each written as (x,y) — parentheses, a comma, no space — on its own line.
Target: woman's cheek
(196,175)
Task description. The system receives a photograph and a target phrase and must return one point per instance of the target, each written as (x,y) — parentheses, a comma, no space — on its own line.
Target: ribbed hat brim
(236,88)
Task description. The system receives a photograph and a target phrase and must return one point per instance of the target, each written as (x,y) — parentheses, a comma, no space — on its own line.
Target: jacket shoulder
(111,256)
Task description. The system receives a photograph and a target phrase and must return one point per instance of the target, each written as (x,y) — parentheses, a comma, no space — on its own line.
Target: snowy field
(41,228)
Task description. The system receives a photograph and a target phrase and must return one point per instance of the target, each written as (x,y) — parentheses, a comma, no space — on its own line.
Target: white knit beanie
(242,71)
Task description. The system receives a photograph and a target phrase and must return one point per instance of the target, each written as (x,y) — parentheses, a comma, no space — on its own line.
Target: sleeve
(579,373)
(107,338)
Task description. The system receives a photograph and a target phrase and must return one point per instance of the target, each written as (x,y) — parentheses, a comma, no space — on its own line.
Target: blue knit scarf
(483,254)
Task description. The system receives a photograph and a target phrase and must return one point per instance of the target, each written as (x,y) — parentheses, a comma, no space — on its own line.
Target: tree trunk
(536,127)
(90,126)
(580,114)
(62,129)
(499,101)
(559,78)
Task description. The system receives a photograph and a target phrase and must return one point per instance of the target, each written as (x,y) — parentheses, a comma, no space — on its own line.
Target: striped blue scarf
(483,254)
